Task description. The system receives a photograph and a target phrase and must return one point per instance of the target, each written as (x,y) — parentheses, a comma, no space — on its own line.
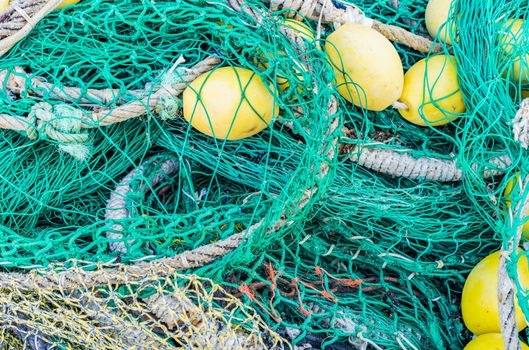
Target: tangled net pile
(120,224)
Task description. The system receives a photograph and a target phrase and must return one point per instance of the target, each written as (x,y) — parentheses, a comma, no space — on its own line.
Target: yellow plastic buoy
(436,17)
(368,68)
(479,302)
(513,37)
(431,92)
(229,103)
(491,341)
(67,3)
(300,28)
(306,33)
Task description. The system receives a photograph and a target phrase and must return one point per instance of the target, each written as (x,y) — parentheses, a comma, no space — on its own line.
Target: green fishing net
(360,258)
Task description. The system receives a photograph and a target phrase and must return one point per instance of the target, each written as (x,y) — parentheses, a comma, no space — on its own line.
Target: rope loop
(61,123)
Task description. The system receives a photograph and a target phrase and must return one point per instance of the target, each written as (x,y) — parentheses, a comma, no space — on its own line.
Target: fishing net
(177,311)
(334,227)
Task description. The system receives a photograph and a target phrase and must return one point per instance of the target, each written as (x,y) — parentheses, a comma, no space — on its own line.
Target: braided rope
(12,30)
(14,18)
(21,83)
(328,13)
(506,286)
(117,206)
(403,164)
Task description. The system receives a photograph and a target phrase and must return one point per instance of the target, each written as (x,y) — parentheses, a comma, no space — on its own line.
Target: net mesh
(177,311)
(359,258)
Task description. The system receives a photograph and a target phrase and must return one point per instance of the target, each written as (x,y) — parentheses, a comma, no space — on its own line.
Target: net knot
(520,124)
(170,104)
(61,123)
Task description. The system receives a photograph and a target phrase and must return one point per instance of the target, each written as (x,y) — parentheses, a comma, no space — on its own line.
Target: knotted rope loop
(61,123)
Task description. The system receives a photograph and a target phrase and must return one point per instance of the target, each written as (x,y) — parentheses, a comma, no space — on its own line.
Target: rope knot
(61,123)
(520,124)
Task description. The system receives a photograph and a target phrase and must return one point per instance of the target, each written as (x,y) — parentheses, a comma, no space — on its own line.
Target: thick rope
(117,204)
(62,123)
(401,35)
(15,16)
(328,13)
(506,286)
(20,29)
(173,84)
(65,124)
(122,274)
(403,164)
(19,82)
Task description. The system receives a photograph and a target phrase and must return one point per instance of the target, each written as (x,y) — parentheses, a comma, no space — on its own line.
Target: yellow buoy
(479,302)
(513,38)
(491,341)
(300,28)
(368,68)
(68,3)
(229,103)
(431,92)
(306,33)
(436,17)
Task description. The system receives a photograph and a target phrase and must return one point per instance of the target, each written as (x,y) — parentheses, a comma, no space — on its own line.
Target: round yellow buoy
(431,92)
(491,341)
(512,40)
(368,68)
(306,33)
(479,302)
(303,30)
(229,103)
(436,17)
(68,3)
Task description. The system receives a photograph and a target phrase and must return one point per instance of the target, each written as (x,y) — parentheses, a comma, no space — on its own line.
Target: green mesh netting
(368,261)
